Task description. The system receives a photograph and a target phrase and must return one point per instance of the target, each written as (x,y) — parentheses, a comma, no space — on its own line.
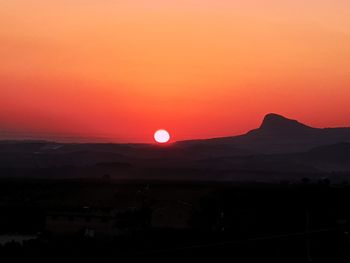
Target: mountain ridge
(278,134)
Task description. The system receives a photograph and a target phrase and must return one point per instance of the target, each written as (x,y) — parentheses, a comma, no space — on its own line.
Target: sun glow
(161,136)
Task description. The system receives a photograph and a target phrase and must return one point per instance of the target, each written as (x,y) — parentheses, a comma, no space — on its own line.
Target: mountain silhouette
(278,134)
(275,123)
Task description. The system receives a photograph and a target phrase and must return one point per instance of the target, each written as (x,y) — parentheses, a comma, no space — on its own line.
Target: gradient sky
(120,69)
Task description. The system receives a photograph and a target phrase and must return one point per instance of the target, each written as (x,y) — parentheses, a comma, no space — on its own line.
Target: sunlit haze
(116,70)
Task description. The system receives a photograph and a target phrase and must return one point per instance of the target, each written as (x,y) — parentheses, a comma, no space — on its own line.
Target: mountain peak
(277,123)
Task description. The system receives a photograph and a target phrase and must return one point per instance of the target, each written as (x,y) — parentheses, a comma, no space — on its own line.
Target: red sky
(119,70)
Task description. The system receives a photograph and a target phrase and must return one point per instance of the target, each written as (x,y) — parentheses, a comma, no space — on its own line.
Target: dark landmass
(277,193)
(105,221)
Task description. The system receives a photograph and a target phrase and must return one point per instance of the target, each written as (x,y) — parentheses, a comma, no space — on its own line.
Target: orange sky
(200,68)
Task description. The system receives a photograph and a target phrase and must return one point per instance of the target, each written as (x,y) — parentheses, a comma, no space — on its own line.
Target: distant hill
(278,134)
(277,124)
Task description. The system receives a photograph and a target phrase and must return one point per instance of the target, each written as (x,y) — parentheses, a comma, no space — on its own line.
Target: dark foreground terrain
(76,220)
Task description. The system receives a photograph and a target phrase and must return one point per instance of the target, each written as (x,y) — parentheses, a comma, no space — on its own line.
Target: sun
(161,136)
